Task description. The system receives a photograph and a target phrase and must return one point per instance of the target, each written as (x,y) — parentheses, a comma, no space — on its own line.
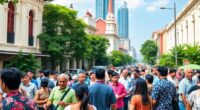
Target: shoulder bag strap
(63,97)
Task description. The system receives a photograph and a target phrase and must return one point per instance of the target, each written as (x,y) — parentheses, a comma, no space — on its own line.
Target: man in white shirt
(127,84)
(172,77)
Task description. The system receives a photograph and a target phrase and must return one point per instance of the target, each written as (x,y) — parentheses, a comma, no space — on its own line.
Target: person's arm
(37,99)
(123,92)
(132,107)
(155,95)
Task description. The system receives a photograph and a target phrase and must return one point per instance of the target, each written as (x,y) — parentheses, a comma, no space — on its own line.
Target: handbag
(53,107)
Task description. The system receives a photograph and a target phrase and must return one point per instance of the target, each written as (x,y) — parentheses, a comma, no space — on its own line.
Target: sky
(145,16)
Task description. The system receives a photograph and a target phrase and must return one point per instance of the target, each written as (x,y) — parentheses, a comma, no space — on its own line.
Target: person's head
(62,81)
(141,89)
(100,73)
(155,70)
(75,78)
(149,78)
(143,72)
(10,79)
(47,73)
(44,82)
(92,76)
(82,96)
(54,75)
(41,73)
(81,77)
(172,72)
(115,77)
(124,72)
(188,73)
(69,77)
(25,79)
(136,73)
(30,74)
(163,71)
(110,72)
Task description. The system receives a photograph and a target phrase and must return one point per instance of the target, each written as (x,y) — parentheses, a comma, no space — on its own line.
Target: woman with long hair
(82,98)
(141,99)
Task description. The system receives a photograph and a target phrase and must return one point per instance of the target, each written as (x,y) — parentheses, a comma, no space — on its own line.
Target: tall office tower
(102,8)
(123,21)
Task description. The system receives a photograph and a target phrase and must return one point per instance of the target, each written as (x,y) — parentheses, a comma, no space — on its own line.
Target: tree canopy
(149,51)
(63,34)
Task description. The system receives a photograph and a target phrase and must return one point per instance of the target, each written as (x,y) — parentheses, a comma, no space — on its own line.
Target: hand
(117,96)
(61,103)
(45,107)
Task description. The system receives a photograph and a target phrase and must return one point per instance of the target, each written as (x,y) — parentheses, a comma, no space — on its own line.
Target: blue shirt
(34,82)
(75,85)
(101,95)
(184,87)
(163,92)
(155,80)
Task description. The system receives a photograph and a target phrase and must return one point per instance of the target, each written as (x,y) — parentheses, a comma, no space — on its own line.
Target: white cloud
(153,6)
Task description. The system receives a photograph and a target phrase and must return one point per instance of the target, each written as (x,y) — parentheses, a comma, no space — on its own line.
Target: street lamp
(174,9)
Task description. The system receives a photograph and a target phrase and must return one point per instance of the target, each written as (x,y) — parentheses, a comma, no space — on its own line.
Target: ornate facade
(21,23)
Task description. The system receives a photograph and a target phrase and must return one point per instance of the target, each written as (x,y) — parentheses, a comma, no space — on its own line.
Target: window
(10,23)
(30,29)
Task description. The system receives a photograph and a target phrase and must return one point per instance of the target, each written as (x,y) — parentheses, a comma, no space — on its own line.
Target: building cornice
(183,13)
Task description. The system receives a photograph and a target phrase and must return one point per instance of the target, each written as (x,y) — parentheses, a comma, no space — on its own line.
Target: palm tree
(192,53)
(179,50)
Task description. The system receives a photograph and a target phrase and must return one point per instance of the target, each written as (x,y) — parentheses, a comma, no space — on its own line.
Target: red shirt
(119,90)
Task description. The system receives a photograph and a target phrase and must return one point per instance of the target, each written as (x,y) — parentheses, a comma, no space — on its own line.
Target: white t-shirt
(69,107)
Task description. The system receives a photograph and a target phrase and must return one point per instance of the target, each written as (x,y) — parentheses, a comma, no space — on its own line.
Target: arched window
(30,29)
(10,23)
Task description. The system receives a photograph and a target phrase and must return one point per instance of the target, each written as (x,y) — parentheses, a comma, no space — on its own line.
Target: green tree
(149,51)
(96,48)
(24,62)
(167,60)
(192,53)
(63,34)
(179,50)
(117,58)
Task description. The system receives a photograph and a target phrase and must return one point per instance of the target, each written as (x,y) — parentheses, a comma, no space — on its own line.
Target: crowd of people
(133,88)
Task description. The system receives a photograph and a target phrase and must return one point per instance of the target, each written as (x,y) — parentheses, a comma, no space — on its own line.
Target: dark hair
(137,71)
(198,78)
(100,73)
(115,74)
(141,89)
(82,96)
(47,72)
(163,70)
(143,70)
(53,72)
(11,77)
(110,72)
(31,71)
(149,78)
(23,74)
(44,82)
(172,71)
(70,77)
(92,72)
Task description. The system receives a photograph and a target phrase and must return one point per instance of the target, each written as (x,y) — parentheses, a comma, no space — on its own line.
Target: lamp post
(174,10)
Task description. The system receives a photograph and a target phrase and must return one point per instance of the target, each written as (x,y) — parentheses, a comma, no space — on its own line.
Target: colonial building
(188,24)
(20,24)
(108,29)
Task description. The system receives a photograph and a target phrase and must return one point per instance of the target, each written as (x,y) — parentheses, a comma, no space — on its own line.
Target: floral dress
(194,100)
(15,101)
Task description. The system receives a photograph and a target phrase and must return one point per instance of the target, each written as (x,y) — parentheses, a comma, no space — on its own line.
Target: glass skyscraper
(123,21)
(102,8)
